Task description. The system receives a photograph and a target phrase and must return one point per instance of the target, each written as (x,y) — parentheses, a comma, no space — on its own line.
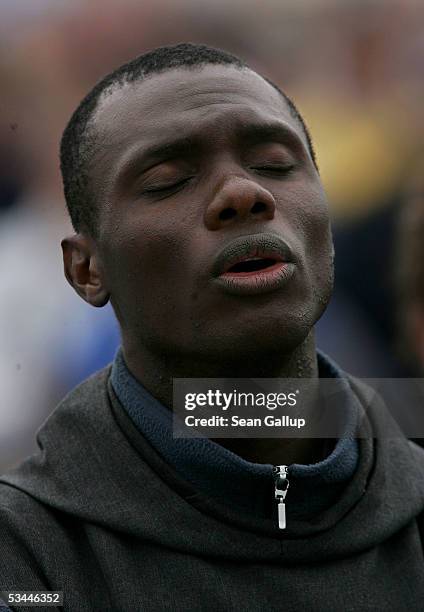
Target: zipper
(280,473)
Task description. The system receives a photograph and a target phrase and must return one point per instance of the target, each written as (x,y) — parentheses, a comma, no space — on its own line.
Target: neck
(156,373)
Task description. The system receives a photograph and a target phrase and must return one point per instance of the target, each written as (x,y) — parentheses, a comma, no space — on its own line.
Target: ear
(83,270)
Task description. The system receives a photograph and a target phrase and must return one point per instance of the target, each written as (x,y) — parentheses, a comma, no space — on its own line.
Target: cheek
(320,260)
(145,266)
(311,206)
(305,208)
(141,250)
(312,232)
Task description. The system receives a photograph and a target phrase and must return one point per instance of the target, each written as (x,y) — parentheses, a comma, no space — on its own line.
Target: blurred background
(356,71)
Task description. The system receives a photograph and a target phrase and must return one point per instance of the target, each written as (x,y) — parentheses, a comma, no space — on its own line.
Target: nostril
(227,213)
(258,207)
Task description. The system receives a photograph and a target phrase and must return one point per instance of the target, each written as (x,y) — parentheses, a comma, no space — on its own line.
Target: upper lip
(264,245)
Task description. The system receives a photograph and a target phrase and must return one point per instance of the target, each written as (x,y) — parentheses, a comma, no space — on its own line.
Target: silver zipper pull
(280,473)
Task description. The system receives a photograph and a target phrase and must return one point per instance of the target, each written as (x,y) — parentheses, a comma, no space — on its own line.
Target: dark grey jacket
(98,514)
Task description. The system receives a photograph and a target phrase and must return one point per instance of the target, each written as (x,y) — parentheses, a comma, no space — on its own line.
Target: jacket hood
(89,469)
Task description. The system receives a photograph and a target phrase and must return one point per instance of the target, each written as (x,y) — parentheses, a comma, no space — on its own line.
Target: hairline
(120,84)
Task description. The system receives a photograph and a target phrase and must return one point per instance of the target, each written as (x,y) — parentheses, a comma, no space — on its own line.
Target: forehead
(188,101)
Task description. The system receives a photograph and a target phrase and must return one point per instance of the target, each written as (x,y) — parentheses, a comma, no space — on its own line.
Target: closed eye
(167,189)
(274,170)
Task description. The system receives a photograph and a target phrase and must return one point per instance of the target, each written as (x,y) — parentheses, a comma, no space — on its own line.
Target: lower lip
(257,282)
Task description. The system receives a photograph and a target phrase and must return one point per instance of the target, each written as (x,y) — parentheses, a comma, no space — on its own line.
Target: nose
(239,199)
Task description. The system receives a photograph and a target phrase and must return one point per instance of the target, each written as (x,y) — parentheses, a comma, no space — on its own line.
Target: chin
(249,342)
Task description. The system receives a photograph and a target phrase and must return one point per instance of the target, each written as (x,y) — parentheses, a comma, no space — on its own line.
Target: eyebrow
(249,133)
(273,131)
(143,158)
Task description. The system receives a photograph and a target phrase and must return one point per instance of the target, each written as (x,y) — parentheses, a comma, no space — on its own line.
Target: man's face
(214,233)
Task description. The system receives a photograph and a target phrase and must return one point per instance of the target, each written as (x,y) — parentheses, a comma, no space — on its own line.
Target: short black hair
(78,143)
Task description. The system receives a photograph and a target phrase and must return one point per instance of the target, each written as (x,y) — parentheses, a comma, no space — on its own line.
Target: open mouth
(252,254)
(253,264)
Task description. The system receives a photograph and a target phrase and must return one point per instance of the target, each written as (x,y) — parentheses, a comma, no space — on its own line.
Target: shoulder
(87,390)
(18,510)
(78,411)
(23,523)
(22,515)
(46,502)
(26,491)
